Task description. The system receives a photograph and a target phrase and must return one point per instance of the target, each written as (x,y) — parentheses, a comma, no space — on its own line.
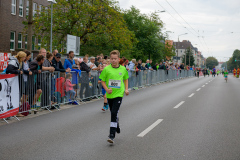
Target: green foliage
(211,62)
(188,52)
(99,24)
(147,30)
(224,65)
(231,63)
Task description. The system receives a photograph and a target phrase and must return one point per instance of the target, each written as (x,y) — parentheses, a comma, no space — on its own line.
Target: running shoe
(104,108)
(110,139)
(69,101)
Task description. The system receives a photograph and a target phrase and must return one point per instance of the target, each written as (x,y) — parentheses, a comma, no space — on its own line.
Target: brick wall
(9,22)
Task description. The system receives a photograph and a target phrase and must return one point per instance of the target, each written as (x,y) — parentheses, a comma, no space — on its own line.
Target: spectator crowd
(35,84)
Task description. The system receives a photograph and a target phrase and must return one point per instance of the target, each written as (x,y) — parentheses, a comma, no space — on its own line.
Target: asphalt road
(192,122)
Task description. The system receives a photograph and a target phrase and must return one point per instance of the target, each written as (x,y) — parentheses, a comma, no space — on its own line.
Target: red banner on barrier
(4,57)
(9,95)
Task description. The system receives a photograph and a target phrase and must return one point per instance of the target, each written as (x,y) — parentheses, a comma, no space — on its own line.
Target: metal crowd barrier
(48,90)
(147,77)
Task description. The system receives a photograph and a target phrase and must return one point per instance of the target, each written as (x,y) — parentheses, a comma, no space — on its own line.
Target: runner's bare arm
(109,91)
(126,87)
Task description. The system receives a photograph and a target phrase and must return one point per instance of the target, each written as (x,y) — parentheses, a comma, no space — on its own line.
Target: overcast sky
(213,26)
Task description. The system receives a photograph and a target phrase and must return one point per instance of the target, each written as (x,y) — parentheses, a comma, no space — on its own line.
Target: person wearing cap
(57,64)
(69,61)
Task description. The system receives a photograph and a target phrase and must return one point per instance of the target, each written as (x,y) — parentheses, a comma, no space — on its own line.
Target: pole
(189,55)
(177,49)
(30,17)
(51,28)
(185,58)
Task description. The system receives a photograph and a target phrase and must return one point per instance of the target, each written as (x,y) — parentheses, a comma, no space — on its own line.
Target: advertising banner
(73,44)
(9,95)
(4,57)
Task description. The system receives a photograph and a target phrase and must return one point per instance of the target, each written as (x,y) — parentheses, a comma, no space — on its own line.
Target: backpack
(24,108)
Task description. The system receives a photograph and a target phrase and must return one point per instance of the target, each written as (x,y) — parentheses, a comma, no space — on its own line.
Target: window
(34,9)
(19,40)
(12,41)
(40,9)
(21,8)
(46,9)
(39,43)
(33,42)
(26,41)
(13,7)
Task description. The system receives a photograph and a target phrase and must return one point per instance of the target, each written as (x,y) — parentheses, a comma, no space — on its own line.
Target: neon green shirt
(225,73)
(114,79)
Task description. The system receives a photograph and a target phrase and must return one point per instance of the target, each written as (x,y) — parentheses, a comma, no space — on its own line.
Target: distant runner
(226,75)
(214,71)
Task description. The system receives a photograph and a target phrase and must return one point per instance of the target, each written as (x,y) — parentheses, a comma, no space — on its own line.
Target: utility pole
(189,54)
(30,22)
(52,1)
(185,58)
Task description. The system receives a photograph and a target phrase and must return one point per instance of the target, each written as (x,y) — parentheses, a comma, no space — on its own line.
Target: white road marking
(198,89)
(191,95)
(179,104)
(206,83)
(209,81)
(203,86)
(143,133)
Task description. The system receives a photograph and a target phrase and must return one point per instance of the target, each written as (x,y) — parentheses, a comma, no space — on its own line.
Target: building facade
(12,15)
(181,48)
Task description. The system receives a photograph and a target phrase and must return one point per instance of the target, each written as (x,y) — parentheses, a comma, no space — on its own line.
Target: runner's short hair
(115,52)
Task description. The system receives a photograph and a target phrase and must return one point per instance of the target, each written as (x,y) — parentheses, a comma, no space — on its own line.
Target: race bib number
(114,84)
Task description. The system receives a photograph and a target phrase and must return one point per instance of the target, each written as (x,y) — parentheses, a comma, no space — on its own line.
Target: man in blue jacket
(69,61)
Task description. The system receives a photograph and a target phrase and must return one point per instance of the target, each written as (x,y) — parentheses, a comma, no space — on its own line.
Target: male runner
(112,78)
(226,75)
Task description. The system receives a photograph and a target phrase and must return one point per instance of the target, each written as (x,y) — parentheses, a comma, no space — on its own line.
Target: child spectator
(69,89)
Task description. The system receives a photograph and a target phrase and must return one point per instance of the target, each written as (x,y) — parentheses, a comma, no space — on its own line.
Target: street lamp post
(52,1)
(178,46)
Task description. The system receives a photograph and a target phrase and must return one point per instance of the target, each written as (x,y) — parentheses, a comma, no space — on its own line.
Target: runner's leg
(114,105)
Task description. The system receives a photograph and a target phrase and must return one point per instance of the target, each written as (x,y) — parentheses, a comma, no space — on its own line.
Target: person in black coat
(35,80)
(84,79)
(57,64)
(15,63)
(161,66)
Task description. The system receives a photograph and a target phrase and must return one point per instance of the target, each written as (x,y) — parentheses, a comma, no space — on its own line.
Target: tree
(224,65)
(169,50)
(147,30)
(211,62)
(187,52)
(98,23)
